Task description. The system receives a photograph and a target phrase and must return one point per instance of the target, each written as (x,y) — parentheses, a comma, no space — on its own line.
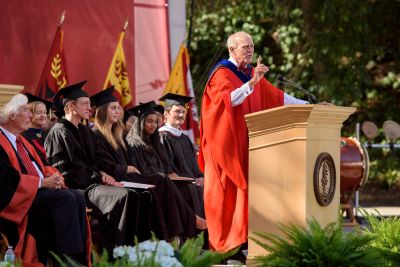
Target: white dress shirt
(239,94)
(13,140)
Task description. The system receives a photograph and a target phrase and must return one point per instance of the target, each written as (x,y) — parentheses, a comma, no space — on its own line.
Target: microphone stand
(311,98)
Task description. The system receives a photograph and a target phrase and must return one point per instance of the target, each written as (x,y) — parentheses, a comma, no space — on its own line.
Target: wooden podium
(285,149)
(7,91)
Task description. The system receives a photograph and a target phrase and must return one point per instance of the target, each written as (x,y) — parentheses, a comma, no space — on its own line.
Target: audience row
(135,169)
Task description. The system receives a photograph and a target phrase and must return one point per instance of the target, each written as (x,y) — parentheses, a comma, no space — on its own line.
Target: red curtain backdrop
(91,30)
(152,49)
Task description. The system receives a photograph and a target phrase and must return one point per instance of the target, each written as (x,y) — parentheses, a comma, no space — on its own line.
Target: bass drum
(354,166)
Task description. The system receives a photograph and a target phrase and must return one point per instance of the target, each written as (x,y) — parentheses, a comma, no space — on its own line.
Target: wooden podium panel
(7,91)
(284,144)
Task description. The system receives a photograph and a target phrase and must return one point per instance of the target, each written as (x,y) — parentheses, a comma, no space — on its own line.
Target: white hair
(233,39)
(12,107)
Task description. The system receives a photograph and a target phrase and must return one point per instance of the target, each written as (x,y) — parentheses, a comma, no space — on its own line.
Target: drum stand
(347,207)
(344,207)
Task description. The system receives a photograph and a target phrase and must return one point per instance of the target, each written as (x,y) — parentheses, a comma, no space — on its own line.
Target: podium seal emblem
(324,179)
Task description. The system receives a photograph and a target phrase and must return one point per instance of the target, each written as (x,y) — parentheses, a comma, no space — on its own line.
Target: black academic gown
(177,213)
(182,161)
(73,151)
(181,152)
(113,162)
(174,217)
(56,217)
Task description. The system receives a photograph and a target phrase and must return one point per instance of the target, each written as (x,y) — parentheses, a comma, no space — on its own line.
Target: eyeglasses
(179,112)
(247,47)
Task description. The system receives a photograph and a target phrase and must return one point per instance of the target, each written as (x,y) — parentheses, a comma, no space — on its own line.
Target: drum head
(369,129)
(391,129)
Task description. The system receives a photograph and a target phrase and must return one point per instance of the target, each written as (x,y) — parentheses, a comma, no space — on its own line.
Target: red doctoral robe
(17,209)
(224,155)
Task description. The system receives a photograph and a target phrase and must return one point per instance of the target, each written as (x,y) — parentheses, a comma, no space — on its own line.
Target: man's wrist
(252,83)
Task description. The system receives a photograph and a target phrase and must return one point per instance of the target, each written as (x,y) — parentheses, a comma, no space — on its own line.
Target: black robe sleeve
(9,179)
(72,157)
(146,160)
(109,160)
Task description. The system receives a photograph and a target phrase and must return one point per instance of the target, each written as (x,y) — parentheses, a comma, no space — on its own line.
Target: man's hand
(259,72)
(54,181)
(173,175)
(108,180)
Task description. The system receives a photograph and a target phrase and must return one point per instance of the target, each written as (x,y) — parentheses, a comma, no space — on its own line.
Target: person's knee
(79,198)
(68,200)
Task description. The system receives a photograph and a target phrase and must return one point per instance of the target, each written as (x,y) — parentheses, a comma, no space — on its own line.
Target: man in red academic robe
(234,88)
(36,214)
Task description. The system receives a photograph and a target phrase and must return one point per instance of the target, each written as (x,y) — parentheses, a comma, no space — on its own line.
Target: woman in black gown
(170,215)
(147,153)
(36,133)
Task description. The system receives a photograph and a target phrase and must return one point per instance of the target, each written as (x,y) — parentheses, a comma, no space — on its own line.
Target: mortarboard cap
(143,109)
(103,97)
(174,99)
(127,114)
(58,107)
(71,92)
(33,98)
(159,109)
(132,111)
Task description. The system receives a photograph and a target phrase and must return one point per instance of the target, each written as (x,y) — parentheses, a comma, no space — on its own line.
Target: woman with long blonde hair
(170,216)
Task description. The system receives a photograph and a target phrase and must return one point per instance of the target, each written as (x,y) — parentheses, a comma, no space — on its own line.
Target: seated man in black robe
(177,144)
(36,212)
(71,147)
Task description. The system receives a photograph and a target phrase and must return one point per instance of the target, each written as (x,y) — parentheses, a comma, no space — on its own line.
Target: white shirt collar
(10,136)
(233,61)
(168,128)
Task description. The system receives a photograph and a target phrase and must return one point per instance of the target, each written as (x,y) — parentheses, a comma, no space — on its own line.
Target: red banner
(90,27)
(54,74)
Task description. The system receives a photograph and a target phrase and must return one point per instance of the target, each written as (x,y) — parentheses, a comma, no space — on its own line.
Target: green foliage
(385,233)
(384,166)
(191,254)
(345,52)
(316,246)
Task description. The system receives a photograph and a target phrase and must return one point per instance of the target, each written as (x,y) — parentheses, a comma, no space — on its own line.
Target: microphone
(311,98)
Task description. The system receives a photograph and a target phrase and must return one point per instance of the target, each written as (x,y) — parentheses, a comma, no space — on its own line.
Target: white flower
(164,248)
(167,261)
(120,251)
(162,252)
(147,245)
